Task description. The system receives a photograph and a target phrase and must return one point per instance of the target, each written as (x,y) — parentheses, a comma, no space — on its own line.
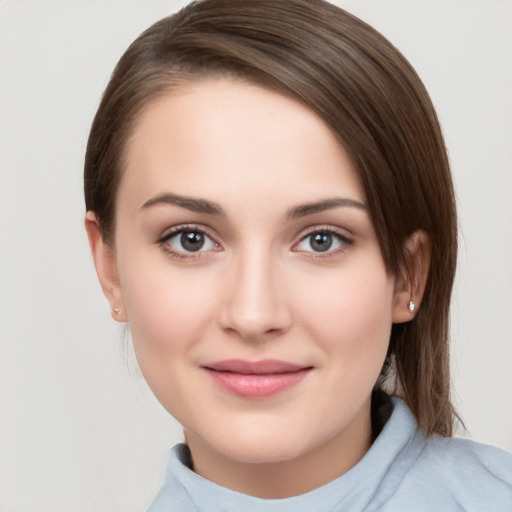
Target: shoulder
(476,456)
(467,462)
(436,473)
(467,475)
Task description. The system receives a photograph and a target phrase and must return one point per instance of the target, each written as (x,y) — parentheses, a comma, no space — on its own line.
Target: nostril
(254,329)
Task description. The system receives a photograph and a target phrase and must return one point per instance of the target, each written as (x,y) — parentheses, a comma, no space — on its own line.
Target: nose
(255,305)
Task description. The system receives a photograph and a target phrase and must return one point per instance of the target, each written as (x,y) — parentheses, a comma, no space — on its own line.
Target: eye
(323,241)
(188,241)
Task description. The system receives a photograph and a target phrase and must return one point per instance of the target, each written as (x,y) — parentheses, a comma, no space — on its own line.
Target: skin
(258,289)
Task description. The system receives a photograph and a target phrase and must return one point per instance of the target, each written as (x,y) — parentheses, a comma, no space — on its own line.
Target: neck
(283,479)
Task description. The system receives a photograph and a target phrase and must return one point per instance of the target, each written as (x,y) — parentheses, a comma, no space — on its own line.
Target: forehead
(239,135)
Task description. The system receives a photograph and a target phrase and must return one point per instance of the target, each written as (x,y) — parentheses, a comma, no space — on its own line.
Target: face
(250,274)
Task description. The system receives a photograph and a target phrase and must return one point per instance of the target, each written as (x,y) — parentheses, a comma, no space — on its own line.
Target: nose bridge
(255,304)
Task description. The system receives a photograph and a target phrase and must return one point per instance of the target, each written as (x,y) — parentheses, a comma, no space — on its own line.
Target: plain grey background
(79,429)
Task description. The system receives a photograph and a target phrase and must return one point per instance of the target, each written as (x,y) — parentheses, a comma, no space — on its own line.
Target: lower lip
(257,385)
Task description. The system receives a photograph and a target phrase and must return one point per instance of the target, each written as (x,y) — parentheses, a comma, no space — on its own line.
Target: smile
(257,379)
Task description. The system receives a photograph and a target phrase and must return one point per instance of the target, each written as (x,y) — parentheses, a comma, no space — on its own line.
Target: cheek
(353,320)
(167,310)
(168,317)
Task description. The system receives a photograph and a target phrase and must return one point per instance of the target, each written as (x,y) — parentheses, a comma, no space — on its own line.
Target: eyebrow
(190,203)
(211,208)
(323,205)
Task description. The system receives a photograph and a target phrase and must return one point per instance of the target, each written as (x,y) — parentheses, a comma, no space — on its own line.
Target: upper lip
(262,367)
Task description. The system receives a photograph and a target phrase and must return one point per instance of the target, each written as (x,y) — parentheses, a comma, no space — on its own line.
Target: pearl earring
(116,311)
(412,306)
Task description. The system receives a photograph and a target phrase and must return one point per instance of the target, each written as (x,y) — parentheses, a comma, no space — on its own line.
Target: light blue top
(403,471)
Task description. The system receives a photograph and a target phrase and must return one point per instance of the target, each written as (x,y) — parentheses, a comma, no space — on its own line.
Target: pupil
(321,242)
(192,241)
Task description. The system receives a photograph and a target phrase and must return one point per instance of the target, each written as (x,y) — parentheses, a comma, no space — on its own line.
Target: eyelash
(189,228)
(343,240)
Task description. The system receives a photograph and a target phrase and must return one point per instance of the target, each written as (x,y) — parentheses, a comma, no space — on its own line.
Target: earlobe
(106,268)
(410,285)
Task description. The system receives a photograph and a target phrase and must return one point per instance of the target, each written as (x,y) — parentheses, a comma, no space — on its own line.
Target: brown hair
(374,102)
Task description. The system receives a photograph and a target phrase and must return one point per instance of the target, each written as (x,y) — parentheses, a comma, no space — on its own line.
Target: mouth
(256,379)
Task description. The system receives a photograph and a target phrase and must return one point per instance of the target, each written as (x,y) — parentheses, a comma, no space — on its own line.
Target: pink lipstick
(256,379)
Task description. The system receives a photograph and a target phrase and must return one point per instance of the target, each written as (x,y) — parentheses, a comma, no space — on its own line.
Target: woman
(270,208)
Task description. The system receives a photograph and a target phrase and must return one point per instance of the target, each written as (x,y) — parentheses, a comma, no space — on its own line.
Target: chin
(261,448)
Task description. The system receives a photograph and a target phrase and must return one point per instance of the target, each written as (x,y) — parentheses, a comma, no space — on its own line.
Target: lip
(256,379)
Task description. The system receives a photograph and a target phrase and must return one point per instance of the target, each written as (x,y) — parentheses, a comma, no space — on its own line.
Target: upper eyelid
(311,230)
(169,233)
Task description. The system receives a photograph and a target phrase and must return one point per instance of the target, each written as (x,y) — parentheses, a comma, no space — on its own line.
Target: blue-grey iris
(192,241)
(321,242)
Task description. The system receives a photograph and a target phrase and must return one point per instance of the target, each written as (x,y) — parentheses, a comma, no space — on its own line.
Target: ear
(410,285)
(105,263)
